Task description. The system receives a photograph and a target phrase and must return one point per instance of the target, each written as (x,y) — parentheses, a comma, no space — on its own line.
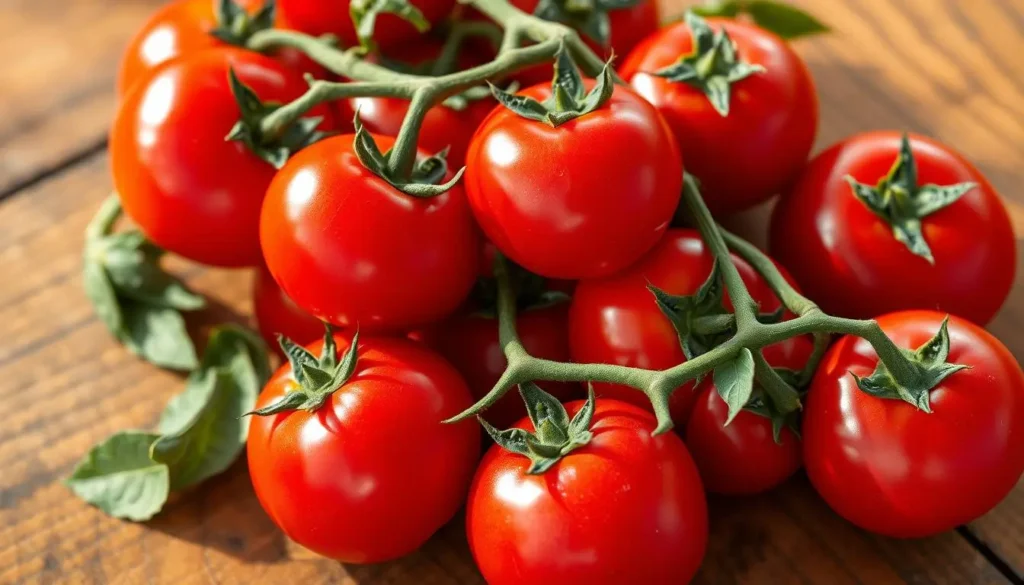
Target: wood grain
(949,68)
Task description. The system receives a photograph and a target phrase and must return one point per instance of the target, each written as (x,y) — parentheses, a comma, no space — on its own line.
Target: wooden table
(949,68)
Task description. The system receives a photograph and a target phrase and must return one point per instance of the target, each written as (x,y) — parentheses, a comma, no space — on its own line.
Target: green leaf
(789,22)
(102,296)
(542,407)
(118,477)
(721,8)
(157,335)
(524,106)
(214,436)
(931,198)
(512,440)
(735,382)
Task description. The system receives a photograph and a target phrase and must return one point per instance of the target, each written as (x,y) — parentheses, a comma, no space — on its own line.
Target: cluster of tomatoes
(579,188)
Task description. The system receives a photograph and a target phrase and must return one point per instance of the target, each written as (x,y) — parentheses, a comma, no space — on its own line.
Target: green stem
(793,300)
(103,222)
(347,63)
(321,92)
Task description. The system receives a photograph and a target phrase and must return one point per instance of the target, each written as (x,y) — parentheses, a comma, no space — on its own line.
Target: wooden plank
(58,79)
(65,385)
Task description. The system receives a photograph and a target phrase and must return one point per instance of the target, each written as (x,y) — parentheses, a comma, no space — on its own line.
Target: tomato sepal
(426,173)
(569,98)
(235,25)
(713,65)
(275,150)
(317,377)
(555,435)
(930,366)
(588,18)
(364,15)
(899,201)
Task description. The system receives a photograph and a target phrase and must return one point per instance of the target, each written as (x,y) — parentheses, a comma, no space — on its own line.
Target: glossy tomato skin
(277,314)
(743,457)
(373,473)
(582,200)
(470,342)
(614,320)
(753,153)
(892,469)
(320,17)
(354,251)
(182,27)
(626,508)
(189,190)
(443,127)
(847,259)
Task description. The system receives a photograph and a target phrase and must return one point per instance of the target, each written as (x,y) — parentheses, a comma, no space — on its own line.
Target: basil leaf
(118,477)
(158,335)
(789,22)
(735,382)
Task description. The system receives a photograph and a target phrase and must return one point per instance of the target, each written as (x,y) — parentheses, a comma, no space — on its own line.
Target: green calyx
(531,291)
(426,174)
(569,99)
(902,203)
(317,377)
(929,366)
(365,12)
(235,25)
(555,436)
(588,17)
(712,67)
(274,149)
(133,296)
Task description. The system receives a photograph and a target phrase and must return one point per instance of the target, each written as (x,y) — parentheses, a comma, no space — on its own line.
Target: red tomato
(629,26)
(615,320)
(581,200)
(470,342)
(625,508)
(757,149)
(278,314)
(320,17)
(743,457)
(189,190)
(442,127)
(183,27)
(372,473)
(893,469)
(847,258)
(352,250)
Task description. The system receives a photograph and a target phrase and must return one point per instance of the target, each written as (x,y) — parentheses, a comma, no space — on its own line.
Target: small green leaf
(735,382)
(118,477)
(102,296)
(935,350)
(931,198)
(789,22)
(512,440)
(522,105)
(908,232)
(157,335)
(294,400)
(580,422)
(296,355)
(541,407)
(720,8)
(567,76)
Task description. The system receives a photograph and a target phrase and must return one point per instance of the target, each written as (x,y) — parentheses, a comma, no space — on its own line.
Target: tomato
(320,17)
(190,191)
(584,199)
(277,314)
(470,342)
(847,258)
(743,457)
(893,469)
(371,474)
(628,26)
(625,508)
(183,27)
(615,319)
(755,151)
(352,250)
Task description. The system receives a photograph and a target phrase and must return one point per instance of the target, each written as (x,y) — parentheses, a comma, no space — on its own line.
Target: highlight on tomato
(575,187)
(347,452)
(884,221)
(594,499)
(739,100)
(915,460)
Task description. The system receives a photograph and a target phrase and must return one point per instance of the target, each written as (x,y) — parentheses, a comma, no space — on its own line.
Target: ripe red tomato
(893,469)
(189,190)
(352,250)
(372,473)
(183,27)
(615,320)
(278,314)
(756,150)
(320,17)
(847,258)
(625,508)
(470,342)
(584,199)
(743,457)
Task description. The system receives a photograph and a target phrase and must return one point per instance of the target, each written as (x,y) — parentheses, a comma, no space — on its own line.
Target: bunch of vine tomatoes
(577,183)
